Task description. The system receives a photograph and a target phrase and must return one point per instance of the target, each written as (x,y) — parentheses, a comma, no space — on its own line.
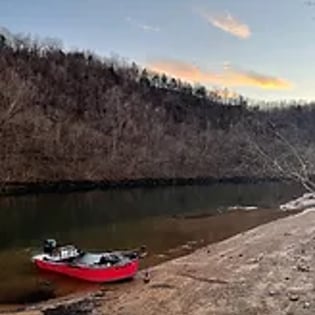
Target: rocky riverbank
(267,270)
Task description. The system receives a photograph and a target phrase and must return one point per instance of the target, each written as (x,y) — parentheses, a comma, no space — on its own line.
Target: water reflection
(27,219)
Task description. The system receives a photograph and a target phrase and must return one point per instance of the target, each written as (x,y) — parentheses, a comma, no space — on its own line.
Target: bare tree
(16,95)
(281,157)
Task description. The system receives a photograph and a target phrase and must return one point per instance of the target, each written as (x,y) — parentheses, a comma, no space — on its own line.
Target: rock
(250,208)
(307,201)
(260,257)
(242,281)
(99,294)
(303,266)
(306,305)
(233,208)
(98,304)
(293,297)
(161,256)
(256,260)
(274,289)
(173,250)
(186,247)
(83,307)
(20,309)
(192,243)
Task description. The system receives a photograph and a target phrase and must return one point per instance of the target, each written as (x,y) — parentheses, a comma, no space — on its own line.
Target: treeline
(75,116)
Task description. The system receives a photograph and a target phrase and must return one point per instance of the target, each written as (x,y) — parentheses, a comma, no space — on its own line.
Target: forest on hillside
(76,116)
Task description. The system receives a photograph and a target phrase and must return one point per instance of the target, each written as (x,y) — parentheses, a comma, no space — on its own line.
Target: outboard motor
(49,246)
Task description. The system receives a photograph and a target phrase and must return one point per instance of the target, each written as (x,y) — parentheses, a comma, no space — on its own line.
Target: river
(170,221)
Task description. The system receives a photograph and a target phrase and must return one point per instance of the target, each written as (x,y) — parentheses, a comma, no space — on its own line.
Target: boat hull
(100,275)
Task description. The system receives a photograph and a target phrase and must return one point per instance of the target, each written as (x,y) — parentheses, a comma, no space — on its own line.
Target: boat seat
(111,259)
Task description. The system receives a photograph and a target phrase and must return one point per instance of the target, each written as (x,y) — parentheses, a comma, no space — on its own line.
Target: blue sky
(263,49)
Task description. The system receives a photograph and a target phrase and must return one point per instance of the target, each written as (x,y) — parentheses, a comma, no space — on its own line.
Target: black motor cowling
(49,246)
(132,255)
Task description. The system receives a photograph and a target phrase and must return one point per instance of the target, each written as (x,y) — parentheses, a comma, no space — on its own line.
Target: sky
(263,49)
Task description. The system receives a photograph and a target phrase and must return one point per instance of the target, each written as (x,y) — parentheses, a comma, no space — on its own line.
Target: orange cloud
(254,79)
(230,77)
(227,23)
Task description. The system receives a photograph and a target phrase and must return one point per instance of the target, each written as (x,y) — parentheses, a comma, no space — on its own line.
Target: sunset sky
(262,49)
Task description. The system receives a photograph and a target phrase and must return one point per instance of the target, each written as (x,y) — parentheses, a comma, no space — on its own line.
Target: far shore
(66,186)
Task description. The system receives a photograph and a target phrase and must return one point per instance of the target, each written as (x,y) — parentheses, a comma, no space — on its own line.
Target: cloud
(227,23)
(226,65)
(228,76)
(144,27)
(309,3)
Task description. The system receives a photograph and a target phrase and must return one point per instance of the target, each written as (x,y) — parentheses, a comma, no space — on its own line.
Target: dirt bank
(268,270)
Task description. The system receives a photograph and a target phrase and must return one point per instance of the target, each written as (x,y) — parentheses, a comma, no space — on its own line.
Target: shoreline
(68,186)
(266,270)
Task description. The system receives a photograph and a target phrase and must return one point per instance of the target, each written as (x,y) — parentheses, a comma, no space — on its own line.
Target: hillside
(75,116)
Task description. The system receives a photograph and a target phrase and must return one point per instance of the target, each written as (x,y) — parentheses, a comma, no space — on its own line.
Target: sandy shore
(267,270)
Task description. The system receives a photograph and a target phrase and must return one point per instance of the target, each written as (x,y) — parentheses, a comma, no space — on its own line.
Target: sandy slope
(268,270)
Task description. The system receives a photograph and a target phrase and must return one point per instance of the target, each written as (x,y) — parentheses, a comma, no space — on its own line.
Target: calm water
(164,219)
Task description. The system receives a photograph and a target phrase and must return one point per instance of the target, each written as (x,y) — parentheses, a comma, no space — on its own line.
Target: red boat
(93,267)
